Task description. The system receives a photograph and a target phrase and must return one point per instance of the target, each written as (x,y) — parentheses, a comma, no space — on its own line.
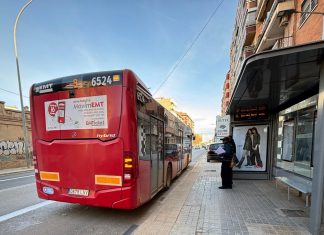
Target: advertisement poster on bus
(222,127)
(251,147)
(76,113)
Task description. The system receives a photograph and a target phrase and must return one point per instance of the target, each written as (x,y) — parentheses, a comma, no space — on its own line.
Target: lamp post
(19,83)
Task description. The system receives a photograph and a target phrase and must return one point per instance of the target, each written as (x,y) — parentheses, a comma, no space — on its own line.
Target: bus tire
(188,157)
(168,177)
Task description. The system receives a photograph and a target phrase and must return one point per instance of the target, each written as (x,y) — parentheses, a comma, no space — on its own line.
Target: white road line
(17,178)
(24,210)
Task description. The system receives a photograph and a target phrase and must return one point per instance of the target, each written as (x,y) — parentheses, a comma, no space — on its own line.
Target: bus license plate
(79,192)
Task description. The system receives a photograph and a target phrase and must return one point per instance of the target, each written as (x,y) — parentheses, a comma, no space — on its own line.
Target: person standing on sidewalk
(226,169)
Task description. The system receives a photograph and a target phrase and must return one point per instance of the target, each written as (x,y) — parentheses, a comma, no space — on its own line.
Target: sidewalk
(195,205)
(15,170)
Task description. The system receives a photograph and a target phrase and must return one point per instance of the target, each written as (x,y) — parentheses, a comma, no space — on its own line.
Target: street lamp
(19,83)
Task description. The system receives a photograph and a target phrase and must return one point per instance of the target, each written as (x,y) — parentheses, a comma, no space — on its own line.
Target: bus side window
(144,139)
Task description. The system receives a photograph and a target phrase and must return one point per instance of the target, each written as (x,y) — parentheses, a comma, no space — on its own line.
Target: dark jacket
(256,140)
(247,143)
(233,145)
(229,150)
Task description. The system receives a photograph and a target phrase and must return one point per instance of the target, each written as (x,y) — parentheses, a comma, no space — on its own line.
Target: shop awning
(278,78)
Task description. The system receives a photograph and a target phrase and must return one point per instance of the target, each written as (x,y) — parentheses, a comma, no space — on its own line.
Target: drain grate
(294,213)
(210,170)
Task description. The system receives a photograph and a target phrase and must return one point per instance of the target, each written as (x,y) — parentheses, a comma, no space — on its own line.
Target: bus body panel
(144,180)
(78,162)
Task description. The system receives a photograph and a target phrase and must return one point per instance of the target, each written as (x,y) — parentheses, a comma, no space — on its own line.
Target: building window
(295,137)
(307,6)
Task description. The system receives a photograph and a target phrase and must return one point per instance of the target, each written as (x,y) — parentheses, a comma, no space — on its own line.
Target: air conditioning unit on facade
(284,20)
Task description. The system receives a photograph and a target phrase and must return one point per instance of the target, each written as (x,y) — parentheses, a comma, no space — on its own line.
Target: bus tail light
(129,165)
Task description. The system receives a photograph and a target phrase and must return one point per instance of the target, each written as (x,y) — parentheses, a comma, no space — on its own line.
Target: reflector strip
(108,180)
(49,176)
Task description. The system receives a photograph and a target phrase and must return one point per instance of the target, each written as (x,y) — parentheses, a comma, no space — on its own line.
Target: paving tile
(197,206)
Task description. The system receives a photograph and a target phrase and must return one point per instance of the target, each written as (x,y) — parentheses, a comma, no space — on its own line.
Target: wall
(312,28)
(11,138)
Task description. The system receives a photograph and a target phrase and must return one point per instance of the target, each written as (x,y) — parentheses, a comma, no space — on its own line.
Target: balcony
(262,9)
(273,27)
(251,4)
(283,42)
(248,51)
(250,27)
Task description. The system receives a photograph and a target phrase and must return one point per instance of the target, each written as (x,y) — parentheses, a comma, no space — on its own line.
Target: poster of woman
(251,147)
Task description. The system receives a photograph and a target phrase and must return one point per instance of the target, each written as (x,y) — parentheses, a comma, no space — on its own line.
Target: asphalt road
(16,179)
(22,212)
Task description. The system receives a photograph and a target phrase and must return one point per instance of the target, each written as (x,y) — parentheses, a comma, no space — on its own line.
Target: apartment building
(263,25)
(171,105)
(197,140)
(186,119)
(276,92)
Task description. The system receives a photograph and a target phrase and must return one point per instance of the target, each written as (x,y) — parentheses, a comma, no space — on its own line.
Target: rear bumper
(120,198)
(214,157)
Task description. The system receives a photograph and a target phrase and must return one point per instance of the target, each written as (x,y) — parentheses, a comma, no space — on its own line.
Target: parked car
(211,154)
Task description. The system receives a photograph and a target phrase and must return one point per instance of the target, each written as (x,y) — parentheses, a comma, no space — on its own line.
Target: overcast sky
(58,38)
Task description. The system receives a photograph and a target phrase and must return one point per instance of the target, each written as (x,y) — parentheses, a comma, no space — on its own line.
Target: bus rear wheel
(168,177)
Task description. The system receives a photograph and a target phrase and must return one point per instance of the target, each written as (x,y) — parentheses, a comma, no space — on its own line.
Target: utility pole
(26,142)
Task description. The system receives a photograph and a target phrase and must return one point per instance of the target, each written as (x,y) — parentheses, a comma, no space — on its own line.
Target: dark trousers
(226,174)
(256,156)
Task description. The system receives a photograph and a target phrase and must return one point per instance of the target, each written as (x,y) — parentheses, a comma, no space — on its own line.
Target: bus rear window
(78,108)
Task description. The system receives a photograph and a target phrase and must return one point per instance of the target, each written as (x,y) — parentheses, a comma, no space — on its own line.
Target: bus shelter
(271,83)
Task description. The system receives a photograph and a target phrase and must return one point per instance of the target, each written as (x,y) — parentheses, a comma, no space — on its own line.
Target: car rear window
(215,146)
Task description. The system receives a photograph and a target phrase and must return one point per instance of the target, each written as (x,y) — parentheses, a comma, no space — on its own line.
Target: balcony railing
(250,17)
(283,42)
(251,4)
(270,29)
(248,51)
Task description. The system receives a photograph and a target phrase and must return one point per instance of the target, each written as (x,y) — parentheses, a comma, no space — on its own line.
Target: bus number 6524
(101,81)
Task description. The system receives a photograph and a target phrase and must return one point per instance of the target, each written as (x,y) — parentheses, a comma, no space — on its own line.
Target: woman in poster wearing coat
(247,147)
(255,153)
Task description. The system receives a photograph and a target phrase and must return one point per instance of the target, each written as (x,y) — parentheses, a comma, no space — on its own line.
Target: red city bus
(101,139)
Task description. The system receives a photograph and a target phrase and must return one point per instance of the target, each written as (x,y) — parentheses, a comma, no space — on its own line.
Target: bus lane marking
(24,210)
